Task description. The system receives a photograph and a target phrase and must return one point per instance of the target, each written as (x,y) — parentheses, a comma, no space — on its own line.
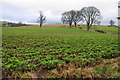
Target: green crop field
(27,49)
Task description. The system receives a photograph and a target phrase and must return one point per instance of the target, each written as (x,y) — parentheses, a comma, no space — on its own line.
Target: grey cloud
(13,13)
(28,14)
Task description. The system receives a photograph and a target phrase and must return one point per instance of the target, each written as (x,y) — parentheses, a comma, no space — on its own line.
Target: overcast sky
(28,10)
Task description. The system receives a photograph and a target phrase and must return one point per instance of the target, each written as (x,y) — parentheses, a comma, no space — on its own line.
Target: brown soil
(49,25)
(57,25)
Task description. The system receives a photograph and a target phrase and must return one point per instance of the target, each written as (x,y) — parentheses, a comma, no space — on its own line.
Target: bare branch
(112,23)
(71,16)
(41,19)
(90,15)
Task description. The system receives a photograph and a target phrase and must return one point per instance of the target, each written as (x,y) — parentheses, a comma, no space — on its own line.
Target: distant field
(56,52)
(2,22)
(111,29)
(49,25)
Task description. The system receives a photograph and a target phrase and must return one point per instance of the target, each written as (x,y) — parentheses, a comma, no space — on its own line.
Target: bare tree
(98,22)
(63,20)
(112,22)
(41,19)
(77,17)
(67,17)
(90,15)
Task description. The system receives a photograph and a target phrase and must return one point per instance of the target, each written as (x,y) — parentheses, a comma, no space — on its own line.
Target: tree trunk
(40,25)
(70,25)
(94,27)
(88,28)
(75,24)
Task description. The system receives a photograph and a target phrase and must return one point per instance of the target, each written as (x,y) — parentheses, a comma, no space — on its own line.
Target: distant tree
(112,22)
(77,17)
(98,22)
(67,17)
(90,15)
(63,20)
(41,19)
(4,24)
(19,24)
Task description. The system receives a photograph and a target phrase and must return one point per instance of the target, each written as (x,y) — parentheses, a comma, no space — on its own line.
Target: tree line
(90,15)
(11,24)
